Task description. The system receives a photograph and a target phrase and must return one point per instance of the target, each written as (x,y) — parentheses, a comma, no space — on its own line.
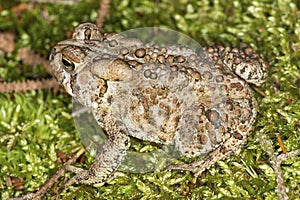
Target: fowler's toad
(202,104)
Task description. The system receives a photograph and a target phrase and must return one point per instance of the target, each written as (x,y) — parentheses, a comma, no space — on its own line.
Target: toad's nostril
(52,54)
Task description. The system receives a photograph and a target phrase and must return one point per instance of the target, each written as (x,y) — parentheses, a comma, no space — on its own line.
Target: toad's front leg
(108,158)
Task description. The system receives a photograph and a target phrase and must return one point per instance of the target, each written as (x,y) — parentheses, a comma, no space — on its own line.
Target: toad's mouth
(68,88)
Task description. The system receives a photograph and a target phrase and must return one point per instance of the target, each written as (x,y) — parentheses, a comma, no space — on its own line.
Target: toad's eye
(70,66)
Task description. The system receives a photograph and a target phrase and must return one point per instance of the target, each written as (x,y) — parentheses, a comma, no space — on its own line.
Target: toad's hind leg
(108,158)
(220,153)
(231,141)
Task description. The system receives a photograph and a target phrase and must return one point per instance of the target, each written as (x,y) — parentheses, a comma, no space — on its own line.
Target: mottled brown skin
(169,95)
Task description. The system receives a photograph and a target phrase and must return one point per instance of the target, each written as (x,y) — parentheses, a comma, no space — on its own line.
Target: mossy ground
(35,124)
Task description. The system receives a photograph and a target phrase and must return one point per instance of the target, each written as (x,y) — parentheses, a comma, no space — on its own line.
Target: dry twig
(275,161)
(24,86)
(102,11)
(59,173)
(7,44)
(29,58)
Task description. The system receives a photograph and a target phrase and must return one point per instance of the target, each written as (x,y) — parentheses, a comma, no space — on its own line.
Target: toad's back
(182,98)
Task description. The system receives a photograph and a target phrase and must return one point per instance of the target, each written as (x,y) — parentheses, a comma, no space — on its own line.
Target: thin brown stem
(24,86)
(59,173)
(102,11)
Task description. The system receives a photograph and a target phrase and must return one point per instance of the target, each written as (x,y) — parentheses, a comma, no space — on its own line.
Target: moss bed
(34,124)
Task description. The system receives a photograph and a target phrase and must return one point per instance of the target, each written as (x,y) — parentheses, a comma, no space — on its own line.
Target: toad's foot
(106,162)
(88,176)
(220,153)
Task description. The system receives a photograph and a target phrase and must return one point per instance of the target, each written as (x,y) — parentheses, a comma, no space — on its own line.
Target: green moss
(34,124)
